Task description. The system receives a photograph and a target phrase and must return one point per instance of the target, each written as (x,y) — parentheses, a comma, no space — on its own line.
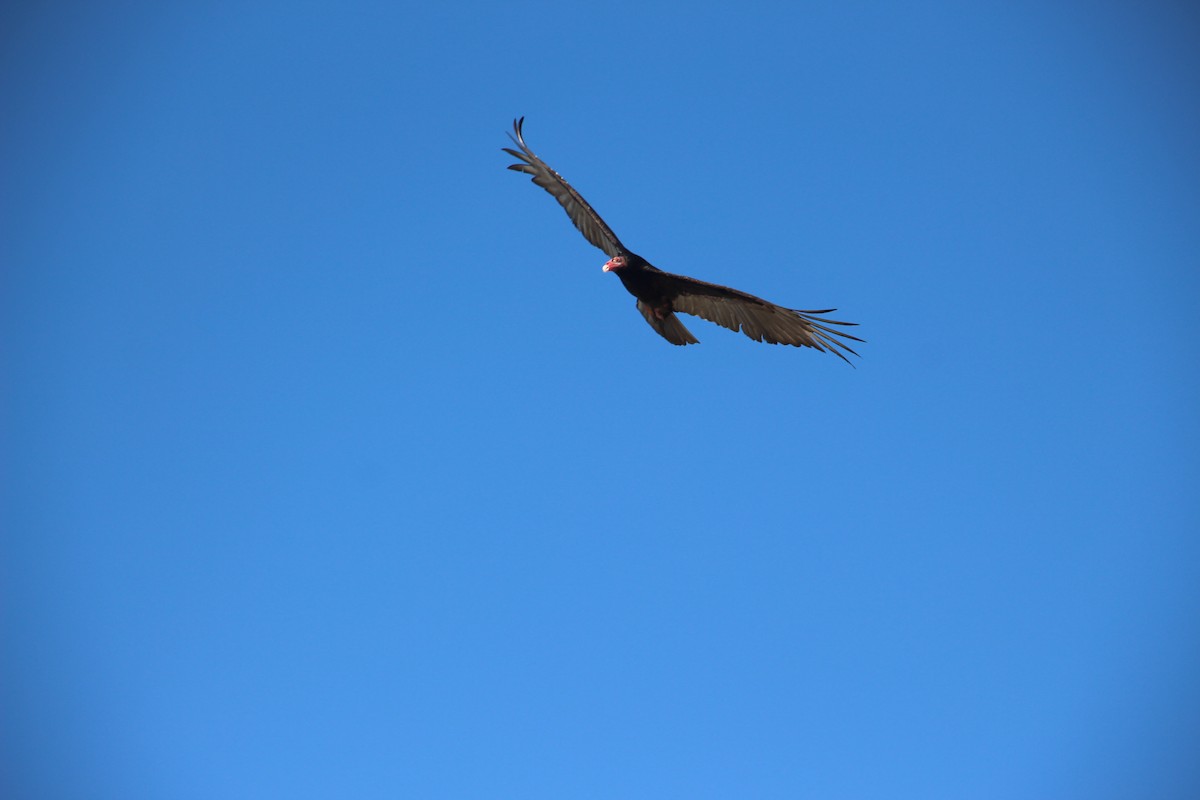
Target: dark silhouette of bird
(661,295)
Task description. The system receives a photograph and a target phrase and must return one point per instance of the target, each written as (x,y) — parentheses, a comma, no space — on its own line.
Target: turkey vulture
(660,294)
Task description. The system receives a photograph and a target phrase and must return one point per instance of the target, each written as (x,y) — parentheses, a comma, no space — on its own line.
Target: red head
(616,262)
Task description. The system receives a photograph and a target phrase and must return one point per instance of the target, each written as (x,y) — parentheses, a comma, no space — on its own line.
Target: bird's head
(616,262)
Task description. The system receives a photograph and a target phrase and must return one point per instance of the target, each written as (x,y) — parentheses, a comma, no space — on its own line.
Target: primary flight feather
(661,294)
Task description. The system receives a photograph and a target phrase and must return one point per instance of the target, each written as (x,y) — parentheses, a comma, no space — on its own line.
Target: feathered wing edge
(582,215)
(760,320)
(669,327)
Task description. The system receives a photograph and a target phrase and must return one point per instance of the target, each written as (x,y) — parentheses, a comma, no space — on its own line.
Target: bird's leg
(661,312)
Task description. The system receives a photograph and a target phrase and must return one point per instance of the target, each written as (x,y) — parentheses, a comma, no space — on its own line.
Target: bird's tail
(669,327)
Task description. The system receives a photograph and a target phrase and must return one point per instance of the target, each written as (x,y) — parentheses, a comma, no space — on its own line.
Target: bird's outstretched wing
(760,320)
(582,215)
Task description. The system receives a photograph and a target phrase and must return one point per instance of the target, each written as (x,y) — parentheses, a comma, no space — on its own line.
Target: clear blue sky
(334,466)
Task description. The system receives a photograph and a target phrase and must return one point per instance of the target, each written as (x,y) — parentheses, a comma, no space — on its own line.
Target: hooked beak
(616,262)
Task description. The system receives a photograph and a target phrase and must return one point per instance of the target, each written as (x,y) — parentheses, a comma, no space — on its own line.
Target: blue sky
(334,466)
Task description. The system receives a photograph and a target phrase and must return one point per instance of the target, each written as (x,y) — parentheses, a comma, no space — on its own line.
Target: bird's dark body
(661,295)
(644,281)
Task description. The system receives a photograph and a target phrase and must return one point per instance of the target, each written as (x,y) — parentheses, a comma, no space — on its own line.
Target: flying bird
(661,295)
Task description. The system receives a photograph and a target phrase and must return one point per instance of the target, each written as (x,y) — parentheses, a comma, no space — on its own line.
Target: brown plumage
(661,294)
